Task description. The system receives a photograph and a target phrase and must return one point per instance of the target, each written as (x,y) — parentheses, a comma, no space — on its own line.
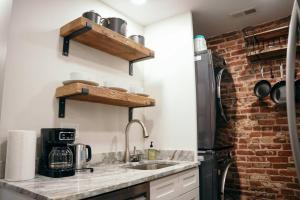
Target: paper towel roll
(20,157)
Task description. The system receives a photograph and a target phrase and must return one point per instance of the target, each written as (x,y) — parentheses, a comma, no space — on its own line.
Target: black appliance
(214,147)
(213,171)
(56,157)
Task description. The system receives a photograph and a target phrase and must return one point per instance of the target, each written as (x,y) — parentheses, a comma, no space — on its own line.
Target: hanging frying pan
(297,90)
(278,91)
(262,88)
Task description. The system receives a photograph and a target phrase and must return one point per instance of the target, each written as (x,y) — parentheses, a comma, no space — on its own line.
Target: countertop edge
(100,191)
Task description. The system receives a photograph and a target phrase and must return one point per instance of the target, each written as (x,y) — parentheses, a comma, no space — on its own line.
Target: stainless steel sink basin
(151,166)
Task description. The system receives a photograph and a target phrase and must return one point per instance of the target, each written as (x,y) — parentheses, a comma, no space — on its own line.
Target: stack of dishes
(79,77)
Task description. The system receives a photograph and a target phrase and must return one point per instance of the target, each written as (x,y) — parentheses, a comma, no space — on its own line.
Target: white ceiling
(210,17)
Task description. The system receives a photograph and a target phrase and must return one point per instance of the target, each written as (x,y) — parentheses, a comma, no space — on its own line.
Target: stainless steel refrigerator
(214,147)
(210,72)
(290,83)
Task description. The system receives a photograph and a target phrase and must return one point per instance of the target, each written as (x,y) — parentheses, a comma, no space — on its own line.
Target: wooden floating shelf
(96,36)
(278,52)
(83,92)
(270,34)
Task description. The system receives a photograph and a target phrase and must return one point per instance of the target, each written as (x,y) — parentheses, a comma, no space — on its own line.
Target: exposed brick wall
(264,167)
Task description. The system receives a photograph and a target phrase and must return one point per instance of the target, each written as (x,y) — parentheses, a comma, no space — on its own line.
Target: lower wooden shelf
(83,92)
(277,52)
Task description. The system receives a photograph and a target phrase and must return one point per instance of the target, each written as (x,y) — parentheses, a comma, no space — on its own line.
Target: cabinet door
(192,195)
(189,180)
(165,188)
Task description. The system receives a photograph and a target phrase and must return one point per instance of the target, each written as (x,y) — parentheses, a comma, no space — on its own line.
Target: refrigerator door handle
(290,84)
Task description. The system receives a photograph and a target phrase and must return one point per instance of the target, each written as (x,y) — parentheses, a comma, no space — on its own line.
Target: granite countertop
(106,178)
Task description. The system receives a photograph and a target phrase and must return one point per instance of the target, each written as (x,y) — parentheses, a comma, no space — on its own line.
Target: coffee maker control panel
(63,135)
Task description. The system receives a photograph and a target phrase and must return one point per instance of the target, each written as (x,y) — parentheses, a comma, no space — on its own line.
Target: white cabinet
(189,180)
(164,188)
(174,187)
(192,195)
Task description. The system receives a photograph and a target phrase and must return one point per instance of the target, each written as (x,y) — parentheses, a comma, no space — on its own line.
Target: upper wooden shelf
(269,34)
(83,92)
(93,35)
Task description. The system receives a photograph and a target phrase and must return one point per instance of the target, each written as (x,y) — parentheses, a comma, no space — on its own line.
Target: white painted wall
(5,11)
(35,67)
(170,79)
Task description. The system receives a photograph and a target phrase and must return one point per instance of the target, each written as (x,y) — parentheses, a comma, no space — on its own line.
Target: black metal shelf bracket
(130,114)
(62,102)
(131,68)
(135,61)
(61,107)
(67,38)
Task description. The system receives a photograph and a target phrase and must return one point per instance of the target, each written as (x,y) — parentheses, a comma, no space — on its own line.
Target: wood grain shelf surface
(103,95)
(267,53)
(106,40)
(269,34)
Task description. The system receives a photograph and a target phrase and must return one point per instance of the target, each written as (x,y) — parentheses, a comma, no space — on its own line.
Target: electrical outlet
(71,125)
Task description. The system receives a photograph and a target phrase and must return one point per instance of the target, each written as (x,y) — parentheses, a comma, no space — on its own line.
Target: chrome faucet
(127,153)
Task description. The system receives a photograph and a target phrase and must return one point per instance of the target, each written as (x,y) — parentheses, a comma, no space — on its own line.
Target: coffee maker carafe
(57,157)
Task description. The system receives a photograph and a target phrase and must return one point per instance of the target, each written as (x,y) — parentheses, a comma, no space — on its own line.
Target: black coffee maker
(56,157)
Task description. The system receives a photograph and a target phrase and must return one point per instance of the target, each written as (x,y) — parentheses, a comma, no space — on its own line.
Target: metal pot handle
(281,71)
(104,19)
(89,153)
(262,71)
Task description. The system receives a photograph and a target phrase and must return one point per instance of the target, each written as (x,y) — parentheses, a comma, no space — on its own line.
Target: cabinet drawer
(189,180)
(165,188)
(191,195)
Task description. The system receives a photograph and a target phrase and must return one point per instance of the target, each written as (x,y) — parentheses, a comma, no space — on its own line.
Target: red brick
(255,134)
(263,167)
(271,146)
(245,152)
(281,121)
(272,171)
(283,165)
(287,191)
(279,140)
(286,146)
(288,173)
(256,159)
(281,178)
(293,186)
(266,153)
(285,153)
(266,122)
(278,159)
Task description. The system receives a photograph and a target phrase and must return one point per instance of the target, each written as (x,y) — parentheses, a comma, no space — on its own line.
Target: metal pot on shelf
(93,16)
(115,24)
(138,39)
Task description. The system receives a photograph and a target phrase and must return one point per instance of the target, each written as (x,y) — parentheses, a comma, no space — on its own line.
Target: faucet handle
(136,157)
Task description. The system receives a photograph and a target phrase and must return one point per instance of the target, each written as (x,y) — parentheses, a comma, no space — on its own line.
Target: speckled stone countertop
(106,178)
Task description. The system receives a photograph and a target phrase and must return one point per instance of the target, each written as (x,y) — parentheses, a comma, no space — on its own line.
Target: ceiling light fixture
(138,2)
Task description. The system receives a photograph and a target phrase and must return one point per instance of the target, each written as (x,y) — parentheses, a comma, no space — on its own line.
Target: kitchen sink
(151,166)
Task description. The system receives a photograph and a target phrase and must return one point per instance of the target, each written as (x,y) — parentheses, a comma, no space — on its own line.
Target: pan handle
(290,85)
(281,71)
(262,71)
